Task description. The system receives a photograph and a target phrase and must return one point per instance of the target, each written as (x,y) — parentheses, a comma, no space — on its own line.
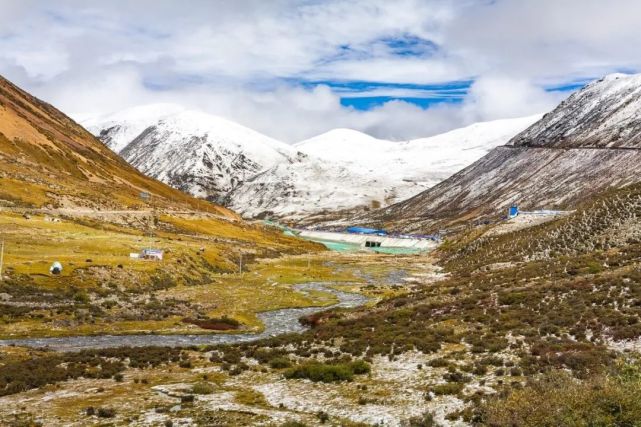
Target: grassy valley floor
(539,326)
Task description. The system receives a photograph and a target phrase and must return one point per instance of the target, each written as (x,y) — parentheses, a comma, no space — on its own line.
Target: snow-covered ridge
(215,158)
(199,153)
(119,129)
(426,160)
(571,154)
(605,113)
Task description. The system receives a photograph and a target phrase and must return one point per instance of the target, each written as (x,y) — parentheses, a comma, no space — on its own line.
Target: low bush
(202,388)
(560,399)
(447,388)
(323,372)
(280,363)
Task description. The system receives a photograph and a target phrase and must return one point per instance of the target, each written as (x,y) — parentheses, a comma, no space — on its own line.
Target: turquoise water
(337,246)
(351,247)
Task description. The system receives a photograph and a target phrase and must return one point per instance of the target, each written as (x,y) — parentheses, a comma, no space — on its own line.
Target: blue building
(363,230)
(513,212)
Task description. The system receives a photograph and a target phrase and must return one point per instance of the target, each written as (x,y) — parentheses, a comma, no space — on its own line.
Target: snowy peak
(349,170)
(605,113)
(227,134)
(212,157)
(116,130)
(426,159)
(196,152)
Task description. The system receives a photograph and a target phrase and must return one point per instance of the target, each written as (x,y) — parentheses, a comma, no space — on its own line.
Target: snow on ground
(424,161)
(118,129)
(209,156)
(525,220)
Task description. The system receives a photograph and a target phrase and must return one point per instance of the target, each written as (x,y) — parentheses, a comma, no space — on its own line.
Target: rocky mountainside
(588,143)
(201,154)
(46,159)
(415,165)
(605,114)
(308,187)
(343,169)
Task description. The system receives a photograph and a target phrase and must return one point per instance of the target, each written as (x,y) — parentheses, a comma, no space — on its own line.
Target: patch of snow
(343,169)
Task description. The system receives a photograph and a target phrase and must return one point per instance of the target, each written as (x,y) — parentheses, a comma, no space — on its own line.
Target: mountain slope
(343,169)
(346,170)
(46,159)
(585,145)
(201,154)
(605,113)
(117,130)
(307,186)
(425,160)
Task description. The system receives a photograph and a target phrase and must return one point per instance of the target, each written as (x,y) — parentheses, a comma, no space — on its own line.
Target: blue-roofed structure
(364,230)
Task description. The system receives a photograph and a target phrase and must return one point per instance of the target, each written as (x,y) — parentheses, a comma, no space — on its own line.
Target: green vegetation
(103,290)
(328,372)
(202,388)
(22,375)
(558,399)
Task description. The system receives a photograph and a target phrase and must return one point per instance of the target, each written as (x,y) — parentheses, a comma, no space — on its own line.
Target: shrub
(328,372)
(216,324)
(360,367)
(322,416)
(319,372)
(202,388)
(106,412)
(280,363)
(447,388)
(425,420)
(559,399)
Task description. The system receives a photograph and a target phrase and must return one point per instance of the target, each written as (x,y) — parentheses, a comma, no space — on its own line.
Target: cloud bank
(285,67)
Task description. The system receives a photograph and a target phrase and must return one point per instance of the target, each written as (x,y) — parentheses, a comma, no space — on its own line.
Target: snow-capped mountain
(590,142)
(343,169)
(423,162)
(308,186)
(606,113)
(346,169)
(199,153)
(119,129)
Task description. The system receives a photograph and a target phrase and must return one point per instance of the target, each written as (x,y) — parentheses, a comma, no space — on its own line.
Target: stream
(277,322)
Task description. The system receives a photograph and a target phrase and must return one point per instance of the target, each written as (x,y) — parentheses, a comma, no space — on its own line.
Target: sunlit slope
(46,159)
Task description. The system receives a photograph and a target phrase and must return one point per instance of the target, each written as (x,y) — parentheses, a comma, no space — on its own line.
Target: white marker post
(240,265)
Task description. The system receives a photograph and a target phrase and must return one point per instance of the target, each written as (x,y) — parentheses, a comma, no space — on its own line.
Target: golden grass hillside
(103,290)
(46,159)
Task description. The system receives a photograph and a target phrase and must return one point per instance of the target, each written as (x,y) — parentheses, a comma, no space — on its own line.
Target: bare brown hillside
(46,159)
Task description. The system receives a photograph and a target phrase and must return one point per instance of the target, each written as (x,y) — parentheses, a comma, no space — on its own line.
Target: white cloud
(243,59)
(493,97)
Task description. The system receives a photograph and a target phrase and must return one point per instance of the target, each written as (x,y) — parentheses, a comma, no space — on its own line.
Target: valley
(127,301)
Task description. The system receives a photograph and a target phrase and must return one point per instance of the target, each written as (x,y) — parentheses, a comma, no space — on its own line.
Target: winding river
(276,322)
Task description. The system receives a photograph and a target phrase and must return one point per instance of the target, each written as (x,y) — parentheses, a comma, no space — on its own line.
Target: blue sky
(295,68)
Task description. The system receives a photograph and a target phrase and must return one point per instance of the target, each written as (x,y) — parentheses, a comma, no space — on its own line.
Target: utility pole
(1,258)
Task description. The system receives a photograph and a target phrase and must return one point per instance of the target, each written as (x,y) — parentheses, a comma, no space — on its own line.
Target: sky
(397,69)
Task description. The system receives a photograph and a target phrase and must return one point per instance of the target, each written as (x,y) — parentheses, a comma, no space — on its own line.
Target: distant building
(152,254)
(513,212)
(363,230)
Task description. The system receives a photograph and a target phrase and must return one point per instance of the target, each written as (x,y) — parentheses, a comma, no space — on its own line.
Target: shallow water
(276,322)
